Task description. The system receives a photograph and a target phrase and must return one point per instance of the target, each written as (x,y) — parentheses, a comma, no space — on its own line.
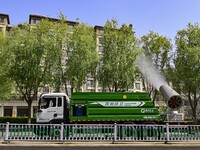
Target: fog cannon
(173,99)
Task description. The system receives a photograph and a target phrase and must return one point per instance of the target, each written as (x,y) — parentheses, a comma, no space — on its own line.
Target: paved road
(99,146)
(96,148)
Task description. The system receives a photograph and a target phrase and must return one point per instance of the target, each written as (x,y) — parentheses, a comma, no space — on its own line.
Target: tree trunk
(66,90)
(195,110)
(29,111)
(193,105)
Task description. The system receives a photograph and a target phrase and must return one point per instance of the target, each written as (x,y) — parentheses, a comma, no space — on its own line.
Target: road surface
(99,146)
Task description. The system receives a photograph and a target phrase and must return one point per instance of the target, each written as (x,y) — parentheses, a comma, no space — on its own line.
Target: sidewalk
(96,144)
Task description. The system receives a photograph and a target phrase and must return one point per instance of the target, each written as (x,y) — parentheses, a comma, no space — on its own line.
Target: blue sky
(162,16)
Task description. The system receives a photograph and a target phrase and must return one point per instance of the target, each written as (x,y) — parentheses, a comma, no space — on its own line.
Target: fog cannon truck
(103,107)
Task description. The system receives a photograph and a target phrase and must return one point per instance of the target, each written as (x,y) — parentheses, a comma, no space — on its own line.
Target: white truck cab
(53,108)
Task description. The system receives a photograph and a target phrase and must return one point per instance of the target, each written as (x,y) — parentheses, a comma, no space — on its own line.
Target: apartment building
(17,107)
(4,23)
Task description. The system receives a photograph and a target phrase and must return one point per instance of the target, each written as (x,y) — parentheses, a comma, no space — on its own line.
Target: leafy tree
(82,55)
(5,81)
(34,55)
(186,65)
(60,33)
(116,68)
(156,48)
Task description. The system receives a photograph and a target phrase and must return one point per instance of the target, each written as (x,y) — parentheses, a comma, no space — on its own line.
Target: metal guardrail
(98,132)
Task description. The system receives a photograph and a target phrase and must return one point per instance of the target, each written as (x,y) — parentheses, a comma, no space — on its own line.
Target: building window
(137,86)
(69,90)
(90,83)
(8,111)
(36,21)
(69,53)
(89,75)
(100,49)
(22,111)
(71,26)
(17,89)
(1,20)
(46,89)
(137,78)
(131,87)
(100,30)
(100,40)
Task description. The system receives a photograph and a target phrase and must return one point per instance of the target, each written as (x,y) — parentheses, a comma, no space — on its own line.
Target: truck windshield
(47,102)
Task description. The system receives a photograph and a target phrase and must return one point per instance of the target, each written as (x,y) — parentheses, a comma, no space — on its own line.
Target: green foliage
(156,47)
(116,68)
(59,35)
(16,119)
(83,57)
(186,69)
(5,81)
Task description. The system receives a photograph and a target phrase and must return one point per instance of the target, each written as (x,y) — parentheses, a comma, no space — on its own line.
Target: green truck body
(112,107)
(104,107)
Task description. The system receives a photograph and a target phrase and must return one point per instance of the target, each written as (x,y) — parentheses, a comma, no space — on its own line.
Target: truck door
(59,109)
(56,109)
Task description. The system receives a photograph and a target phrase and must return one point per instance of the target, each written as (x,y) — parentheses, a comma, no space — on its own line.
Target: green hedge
(16,120)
